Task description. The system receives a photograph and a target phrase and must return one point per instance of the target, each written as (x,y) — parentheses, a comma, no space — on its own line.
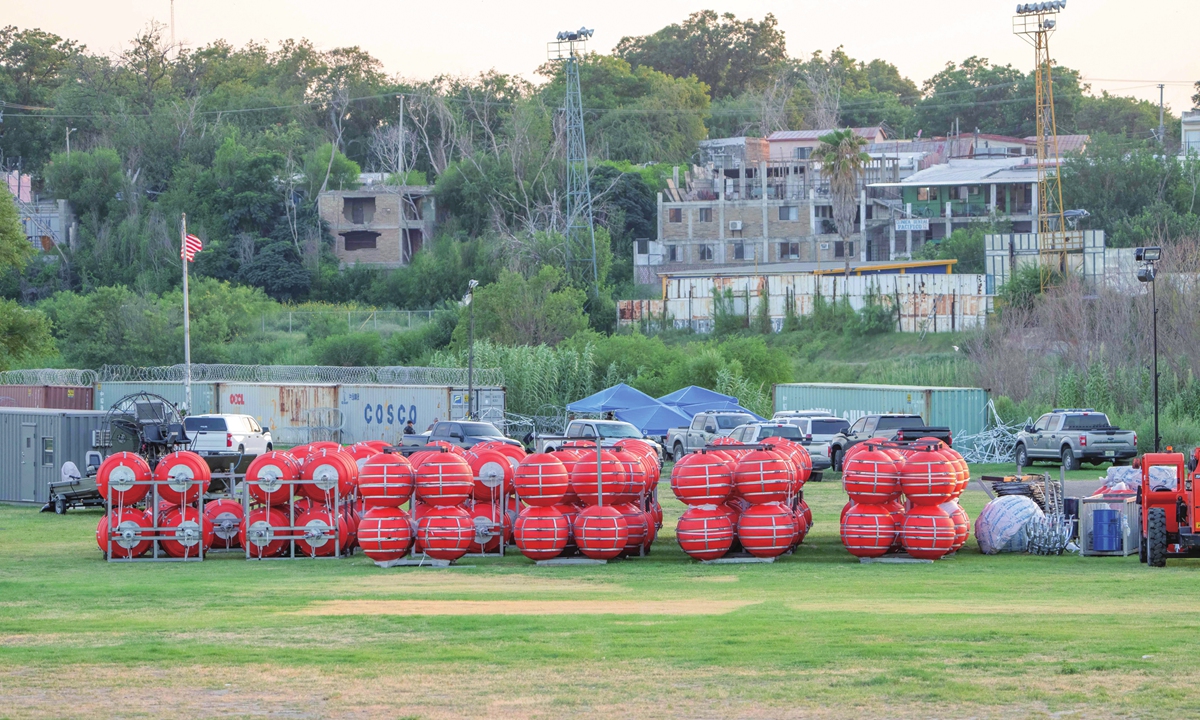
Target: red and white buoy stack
(904,497)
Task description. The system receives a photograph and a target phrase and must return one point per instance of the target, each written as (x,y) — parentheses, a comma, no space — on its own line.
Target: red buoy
(186,475)
(260,531)
(762,477)
(541,533)
(487,522)
(328,475)
(868,530)
(421,456)
(601,532)
(962,524)
(705,532)
(514,453)
(385,533)
(444,480)
(928,532)
(269,477)
(541,480)
(635,476)
(701,479)
(131,532)
(445,533)
(185,533)
(324,533)
(493,474)
(385,480)
(927,477)
(766,530)
(807,511)
(638,527)
(449,447)
(589,476)
(871,476)
(117,476)
(226,517)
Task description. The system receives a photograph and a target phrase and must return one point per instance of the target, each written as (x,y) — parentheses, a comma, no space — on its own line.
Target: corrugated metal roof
(970,172)
(1066,143)
(867,132)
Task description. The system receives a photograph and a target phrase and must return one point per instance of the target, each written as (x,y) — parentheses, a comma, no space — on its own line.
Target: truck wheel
(677,453)
(1021,456)
(60,506)
(835,459)
(1156,538)
(1142,550)
(1068,459)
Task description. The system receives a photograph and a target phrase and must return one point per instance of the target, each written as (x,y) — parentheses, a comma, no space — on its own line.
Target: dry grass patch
(524,607)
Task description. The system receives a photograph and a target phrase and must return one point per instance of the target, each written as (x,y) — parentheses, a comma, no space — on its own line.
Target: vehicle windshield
(791,432)
(828,427)
(204,424)
(894,423)
(618,430)
(1090,421)
(479,429)
(725,422)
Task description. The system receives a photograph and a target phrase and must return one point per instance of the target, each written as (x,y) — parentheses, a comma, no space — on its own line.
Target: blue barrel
(1106,530)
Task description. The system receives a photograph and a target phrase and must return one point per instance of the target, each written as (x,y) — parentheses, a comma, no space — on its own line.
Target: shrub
(359,349)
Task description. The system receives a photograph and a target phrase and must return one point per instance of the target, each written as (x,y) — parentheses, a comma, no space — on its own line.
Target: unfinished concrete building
(379,225)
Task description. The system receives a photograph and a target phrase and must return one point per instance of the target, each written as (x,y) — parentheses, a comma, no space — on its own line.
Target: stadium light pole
(471,348)
(1147,273)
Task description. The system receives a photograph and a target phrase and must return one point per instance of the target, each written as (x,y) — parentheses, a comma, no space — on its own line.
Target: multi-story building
(1190,132)
(379,224)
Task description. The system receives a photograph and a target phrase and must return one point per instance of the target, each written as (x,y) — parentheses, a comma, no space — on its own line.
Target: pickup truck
(463,433)
(889,426)
(1072,437)
(762,432)
(610,433)
(705,427)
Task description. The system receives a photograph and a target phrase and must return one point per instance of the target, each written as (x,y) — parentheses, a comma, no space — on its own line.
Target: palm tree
(842,163)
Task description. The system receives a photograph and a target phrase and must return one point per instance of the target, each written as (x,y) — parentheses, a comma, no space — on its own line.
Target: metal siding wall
(379,412)
(961,409)
(69,398)
(288,410)
(204,395)
(71,431)
(23,396)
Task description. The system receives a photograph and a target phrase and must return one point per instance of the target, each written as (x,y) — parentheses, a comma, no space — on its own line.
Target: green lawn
(813,635)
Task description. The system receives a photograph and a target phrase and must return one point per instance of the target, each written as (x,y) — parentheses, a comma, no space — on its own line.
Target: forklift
(1170,516)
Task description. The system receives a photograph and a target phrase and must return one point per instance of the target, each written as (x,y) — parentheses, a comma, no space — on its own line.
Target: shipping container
(46,396)
(379,412)
(963,410)
(34,445)
(204,394)
(294,413)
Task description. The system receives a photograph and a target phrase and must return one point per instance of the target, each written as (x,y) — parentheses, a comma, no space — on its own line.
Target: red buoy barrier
(270,476)
(705,532)
(871,476)
(385,480)
(601,532)
(226,517)
(590,475)
(185,533)
(541,533)
(541,480)
(701,479)
(385,533)
(868,530)
(493,474)
(260,532)
(766,530)
(444,480)
(449,447)
(962,524)
(928,532)
(117,477)
(445,533)
(186,476)
(129,526)
(487,522)
(762,477)
(322,535)
(927,477)
(328,475)
(637,525)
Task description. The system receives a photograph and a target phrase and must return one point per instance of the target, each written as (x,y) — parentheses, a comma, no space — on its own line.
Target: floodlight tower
(567,48)
(1035,22)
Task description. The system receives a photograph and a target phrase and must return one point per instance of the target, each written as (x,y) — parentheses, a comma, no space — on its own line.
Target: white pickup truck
(705,427)
(610,433)
(227,436)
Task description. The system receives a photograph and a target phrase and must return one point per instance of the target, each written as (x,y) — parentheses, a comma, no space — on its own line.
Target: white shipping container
(379,412)
(295,414)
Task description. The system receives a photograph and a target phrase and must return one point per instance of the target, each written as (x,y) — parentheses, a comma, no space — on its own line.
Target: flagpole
(187,336)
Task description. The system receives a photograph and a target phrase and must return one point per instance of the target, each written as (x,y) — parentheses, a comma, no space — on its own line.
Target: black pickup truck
(887,427)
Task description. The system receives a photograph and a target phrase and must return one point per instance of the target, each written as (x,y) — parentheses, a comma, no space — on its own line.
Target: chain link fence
(323,322)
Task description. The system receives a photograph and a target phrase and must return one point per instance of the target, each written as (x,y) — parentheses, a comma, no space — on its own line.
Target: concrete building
(799,144)
(379,224)
(47,222)
(1190,132)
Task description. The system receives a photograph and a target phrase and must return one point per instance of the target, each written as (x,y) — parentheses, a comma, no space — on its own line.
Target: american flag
(191,246)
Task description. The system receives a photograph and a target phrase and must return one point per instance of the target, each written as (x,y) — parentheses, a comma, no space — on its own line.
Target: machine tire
(835,459)
(678,452)
(1156,538)
(60,506)
(1069,462)
(1021,455)
(1142,550)
(270,447)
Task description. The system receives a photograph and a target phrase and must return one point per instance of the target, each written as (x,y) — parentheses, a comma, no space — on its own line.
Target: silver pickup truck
(1073,437)
(705,427)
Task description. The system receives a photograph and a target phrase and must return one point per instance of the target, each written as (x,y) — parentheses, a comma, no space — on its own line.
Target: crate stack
(904,496)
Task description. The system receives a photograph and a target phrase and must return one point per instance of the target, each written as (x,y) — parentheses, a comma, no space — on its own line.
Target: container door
(28,490)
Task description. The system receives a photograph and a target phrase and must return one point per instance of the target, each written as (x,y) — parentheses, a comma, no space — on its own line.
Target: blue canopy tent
(654,419)
(695,395)
(617,397)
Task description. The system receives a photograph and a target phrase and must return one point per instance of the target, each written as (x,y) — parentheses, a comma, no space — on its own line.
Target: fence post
(349,322)
(289,322)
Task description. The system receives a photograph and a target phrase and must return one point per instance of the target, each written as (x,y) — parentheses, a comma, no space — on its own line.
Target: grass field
(814,635)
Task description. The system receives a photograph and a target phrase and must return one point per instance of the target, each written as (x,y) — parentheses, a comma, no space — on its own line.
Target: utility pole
(400,145)
(1162,129)
(69,131)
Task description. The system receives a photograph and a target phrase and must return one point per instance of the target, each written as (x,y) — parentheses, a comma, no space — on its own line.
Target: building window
(824,211)
(360,210)
(360,240)
(672,254)
(803,153)
(643,246)
(48,451)
(789,213)
(925,194)
(675,215)
(412,241)
(739,251)
(843,249)
(789,250)
(705,214)
(706,252)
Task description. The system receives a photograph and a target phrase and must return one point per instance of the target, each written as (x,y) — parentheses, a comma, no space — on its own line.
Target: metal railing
(48,376)
(380,321)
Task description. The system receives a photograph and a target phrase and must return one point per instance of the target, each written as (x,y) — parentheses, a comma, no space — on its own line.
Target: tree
(519,311)
(842,163)
(278,271)
(34,64)
(15,249)
(726,54)
(24,334)
(963,245)
(323,173)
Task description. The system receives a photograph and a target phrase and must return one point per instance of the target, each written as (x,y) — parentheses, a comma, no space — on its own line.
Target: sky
(1121,46)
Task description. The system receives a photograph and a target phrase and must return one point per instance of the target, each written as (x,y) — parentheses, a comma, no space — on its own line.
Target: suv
(889,426)
(227,436)
(752,433)
(818,431)
(1073,437)
(463,433)
(705,427)
(610,433)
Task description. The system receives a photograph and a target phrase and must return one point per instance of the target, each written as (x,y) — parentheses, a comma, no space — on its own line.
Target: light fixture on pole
(470,347)
(1148,256)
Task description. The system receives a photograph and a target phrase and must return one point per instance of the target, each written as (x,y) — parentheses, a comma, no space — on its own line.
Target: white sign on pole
(903,224)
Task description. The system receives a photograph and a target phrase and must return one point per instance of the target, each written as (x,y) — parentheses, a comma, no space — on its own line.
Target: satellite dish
(70,473)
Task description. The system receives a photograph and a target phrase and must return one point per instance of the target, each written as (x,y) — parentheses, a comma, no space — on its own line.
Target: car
(463,433)
(1072,437)
(790,415)
(610,433)
(760,432)
(705,427)
(898,427)
(217,437)
(818,431)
